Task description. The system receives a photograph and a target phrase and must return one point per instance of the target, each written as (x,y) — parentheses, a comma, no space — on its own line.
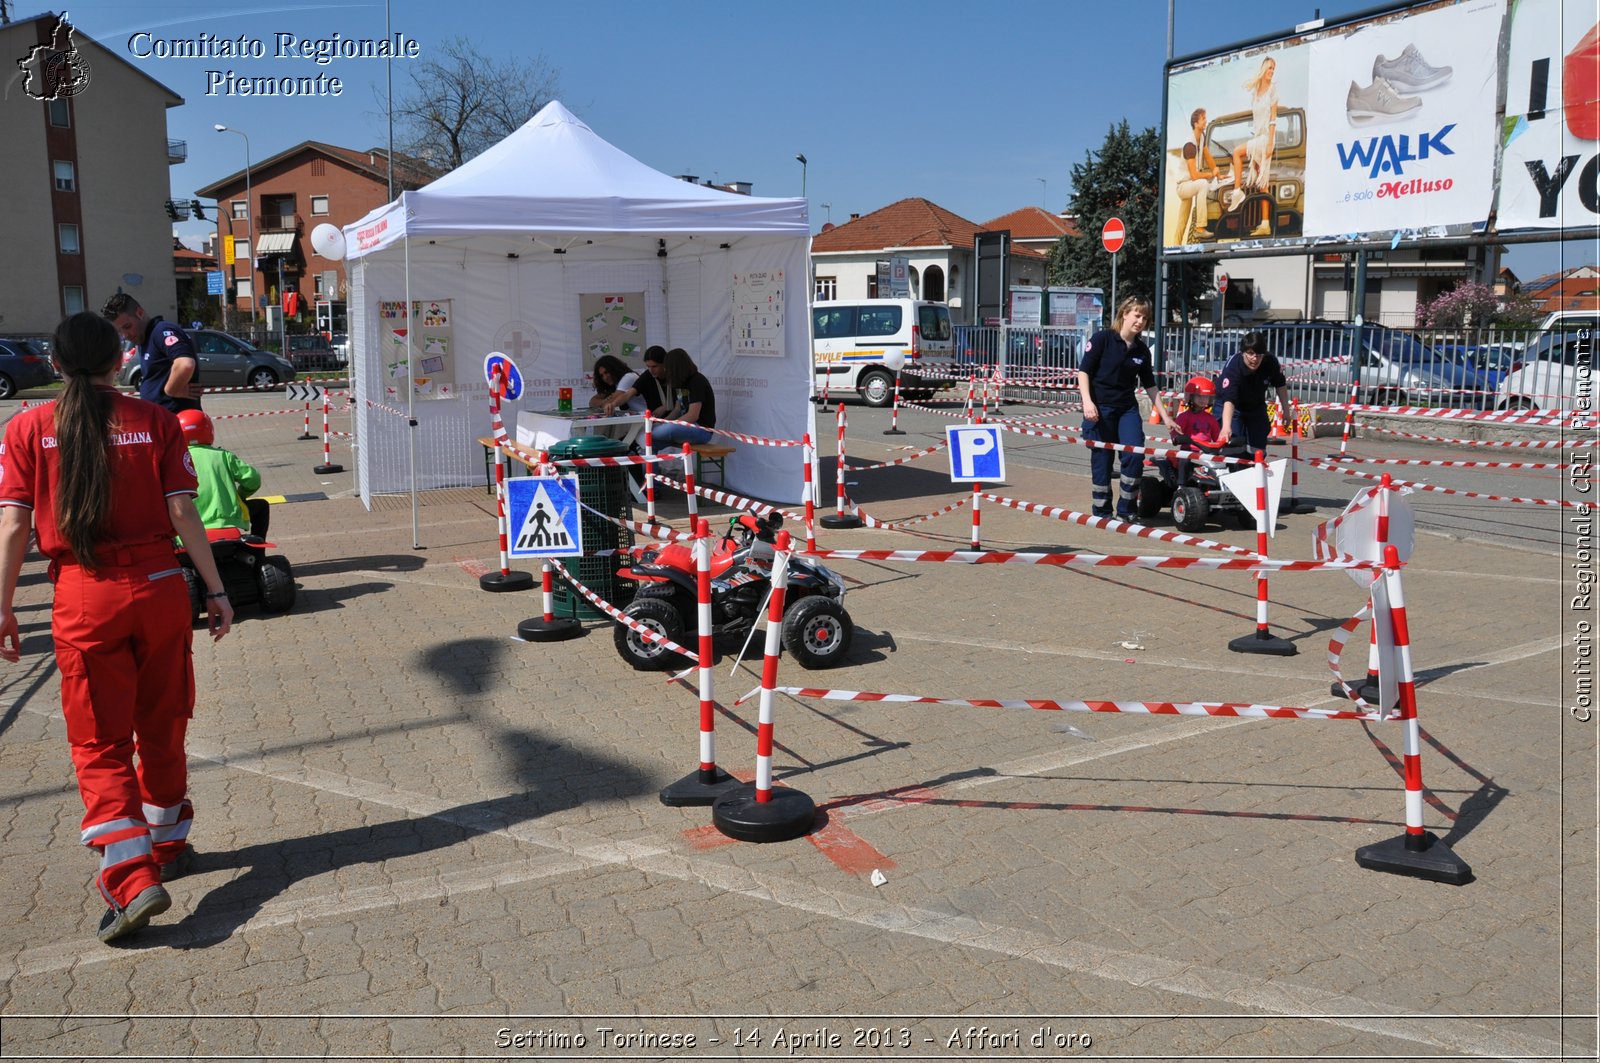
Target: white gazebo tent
(514,240)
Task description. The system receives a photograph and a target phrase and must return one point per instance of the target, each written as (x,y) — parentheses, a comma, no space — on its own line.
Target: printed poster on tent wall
(612,324)
(430,329)
(1551,135)
(758,313)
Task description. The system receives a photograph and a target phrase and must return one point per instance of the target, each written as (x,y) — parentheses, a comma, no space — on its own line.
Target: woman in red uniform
(105,480)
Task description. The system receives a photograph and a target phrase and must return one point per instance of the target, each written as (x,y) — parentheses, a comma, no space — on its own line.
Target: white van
(849,341)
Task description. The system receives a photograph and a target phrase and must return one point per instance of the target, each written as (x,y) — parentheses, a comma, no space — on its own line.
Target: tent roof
(555,176)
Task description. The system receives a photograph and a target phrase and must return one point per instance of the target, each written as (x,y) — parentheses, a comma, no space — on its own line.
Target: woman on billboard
(1252,160)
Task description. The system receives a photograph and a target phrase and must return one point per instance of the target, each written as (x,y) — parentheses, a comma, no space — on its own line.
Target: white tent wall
(761,396)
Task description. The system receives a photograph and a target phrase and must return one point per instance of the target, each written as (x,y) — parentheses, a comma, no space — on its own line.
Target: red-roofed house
(1573,289)
(937,243)
(290,194)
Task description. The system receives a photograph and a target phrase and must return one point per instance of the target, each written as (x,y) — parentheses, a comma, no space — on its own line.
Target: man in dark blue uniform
(1242,390)
(167,363)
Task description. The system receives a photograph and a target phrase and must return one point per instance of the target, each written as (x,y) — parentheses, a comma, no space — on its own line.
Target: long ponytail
(85,347)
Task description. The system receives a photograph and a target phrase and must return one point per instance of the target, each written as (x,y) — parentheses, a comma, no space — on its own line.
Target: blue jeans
(1126,428)
(669,435)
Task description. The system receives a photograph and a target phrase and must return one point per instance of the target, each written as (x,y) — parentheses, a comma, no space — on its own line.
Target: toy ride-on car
(1193,488)
(816,628)
(249,574)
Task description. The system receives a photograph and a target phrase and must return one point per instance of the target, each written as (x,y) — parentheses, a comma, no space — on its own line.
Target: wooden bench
(513,459)
(709,456)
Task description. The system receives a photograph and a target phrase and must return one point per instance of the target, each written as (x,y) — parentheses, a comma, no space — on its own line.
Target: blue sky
(965,104)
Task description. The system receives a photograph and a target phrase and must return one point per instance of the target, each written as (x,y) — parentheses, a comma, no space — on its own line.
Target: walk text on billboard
(1389,152)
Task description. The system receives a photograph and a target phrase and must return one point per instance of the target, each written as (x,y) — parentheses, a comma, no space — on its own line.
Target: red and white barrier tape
(749,505)
(380,407)
(900,461)
(1147,708)
(996,557)
(622,618)
(1443,463)
(895,525)
(1139,531)
(257,413)
(1344,467)
(1445,414)
(759,441)
(1534,444)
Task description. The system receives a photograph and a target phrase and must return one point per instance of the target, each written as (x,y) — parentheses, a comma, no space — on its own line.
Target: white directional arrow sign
(303,392)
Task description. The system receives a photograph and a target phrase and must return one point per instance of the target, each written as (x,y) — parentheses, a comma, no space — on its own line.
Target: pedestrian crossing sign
(543,518)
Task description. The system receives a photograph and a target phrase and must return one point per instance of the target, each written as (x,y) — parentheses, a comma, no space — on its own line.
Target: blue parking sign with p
(543,518)
(976,453)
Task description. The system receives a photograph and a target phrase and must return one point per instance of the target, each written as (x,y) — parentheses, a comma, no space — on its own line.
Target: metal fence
(1459,368)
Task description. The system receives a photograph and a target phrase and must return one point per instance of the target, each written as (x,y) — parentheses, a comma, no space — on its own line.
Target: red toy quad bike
(816,628)
(1194,489)
(249,574)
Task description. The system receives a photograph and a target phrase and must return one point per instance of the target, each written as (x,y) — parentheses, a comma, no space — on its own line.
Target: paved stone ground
(419,836)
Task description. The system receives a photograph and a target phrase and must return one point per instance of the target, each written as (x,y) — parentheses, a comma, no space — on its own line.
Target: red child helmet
(197,427)
(1200,385)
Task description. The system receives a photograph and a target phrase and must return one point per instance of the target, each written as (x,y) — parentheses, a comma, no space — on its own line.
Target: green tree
(1122,179)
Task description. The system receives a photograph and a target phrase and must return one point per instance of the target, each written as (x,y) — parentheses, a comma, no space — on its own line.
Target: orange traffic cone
(1276,435)
(1155,417)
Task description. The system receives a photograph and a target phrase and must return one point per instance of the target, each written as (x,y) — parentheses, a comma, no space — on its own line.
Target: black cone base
(834,520)
(556,629)
(1301,508)
(695,789)
(323,470)
(1430,858)
(789,814)
(1367,690)
(894,431)
(499,582)
(307,435)
(1262,642)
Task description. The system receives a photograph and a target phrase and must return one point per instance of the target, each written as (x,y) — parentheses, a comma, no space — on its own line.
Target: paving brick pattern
(412,826)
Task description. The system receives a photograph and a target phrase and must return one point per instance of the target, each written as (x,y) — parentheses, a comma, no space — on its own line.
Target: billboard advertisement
(1551,132)
(1378,126)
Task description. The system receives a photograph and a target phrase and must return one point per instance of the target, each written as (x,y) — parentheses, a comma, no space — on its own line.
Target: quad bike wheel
(1152,496)
(660,616)
(276,585)
(817,632)
(1189,509)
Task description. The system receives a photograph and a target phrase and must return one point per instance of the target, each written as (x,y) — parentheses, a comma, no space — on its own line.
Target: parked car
(224,361)
(23,365)
(850,341)
(316,351)
(1546,376)
(1397,369)
(1571,321)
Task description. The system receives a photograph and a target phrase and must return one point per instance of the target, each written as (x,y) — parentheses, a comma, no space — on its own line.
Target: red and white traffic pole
(649,471)
(708,713)
(305,429)
(689,463)
(894,413)
(763,812)
(1416,853)
(505,579)
(327,465)
(1295,505)
(839,518)
(1262,640)
(1350,416)
(807,456)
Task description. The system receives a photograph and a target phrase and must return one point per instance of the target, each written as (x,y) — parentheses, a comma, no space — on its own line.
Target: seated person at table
(691,400)
(657,396)
(616,387)
(225,479)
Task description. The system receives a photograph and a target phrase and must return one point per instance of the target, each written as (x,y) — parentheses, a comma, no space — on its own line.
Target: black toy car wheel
(660,616)
(817,632)
(1189,509)
(877,388)
(197,590)
(1152,496)
(276,584)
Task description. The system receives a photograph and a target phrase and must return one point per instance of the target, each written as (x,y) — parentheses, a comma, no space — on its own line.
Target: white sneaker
(1409,72)
(1234,198)
(1264,229)
(1378,102)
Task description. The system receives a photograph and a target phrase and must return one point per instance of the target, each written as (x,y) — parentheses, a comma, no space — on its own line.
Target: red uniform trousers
(123,640)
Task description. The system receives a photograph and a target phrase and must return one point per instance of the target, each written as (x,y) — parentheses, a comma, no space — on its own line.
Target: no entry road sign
(1112,235)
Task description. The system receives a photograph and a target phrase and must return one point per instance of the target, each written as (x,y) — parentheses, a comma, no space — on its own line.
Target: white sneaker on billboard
(1409,72)
(1378,102)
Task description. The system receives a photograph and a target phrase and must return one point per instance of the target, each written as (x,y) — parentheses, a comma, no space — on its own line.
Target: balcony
(293,223)
(177,151)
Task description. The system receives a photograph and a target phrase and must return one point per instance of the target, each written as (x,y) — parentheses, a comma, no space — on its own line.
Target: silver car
(224,361)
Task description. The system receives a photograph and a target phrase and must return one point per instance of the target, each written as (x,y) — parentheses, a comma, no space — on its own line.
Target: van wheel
(877,388)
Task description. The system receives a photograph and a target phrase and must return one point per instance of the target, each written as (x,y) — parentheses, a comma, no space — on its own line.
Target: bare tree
(461,102)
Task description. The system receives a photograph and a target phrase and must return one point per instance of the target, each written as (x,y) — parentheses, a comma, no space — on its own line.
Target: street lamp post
(829,208)
(249,217)
(801,159)
(1044,192)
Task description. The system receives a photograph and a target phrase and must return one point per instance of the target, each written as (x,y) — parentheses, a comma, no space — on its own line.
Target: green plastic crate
(602,488)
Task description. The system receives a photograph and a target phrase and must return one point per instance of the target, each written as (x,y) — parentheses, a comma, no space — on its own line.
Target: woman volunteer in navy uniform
(105,479)
(1242,390)
(1115,365)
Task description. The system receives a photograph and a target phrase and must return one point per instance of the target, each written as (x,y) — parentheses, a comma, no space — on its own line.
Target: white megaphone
(895,359)
(328,241)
